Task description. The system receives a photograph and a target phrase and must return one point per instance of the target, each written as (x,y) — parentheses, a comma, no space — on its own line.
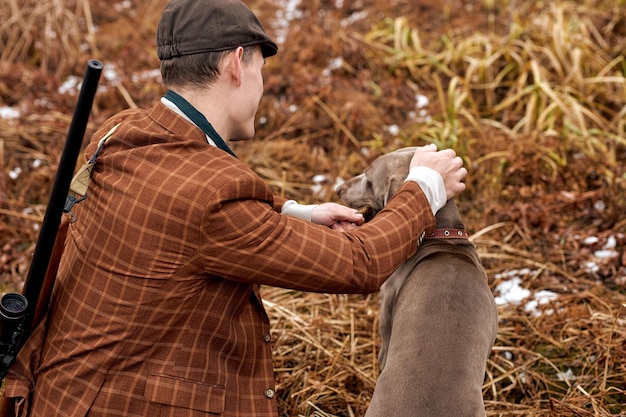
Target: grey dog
(438,317)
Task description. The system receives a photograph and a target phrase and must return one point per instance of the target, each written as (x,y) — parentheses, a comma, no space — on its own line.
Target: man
(156,309)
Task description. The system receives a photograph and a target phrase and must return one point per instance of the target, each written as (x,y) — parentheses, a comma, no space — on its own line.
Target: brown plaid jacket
(156,309)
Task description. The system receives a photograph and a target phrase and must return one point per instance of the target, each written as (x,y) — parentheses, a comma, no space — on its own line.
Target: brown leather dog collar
(447,234)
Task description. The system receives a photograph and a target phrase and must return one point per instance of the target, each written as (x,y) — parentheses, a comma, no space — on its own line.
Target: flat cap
(193,26)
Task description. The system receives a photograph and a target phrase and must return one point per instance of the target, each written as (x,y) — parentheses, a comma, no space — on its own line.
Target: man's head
(194,35)
(214,51)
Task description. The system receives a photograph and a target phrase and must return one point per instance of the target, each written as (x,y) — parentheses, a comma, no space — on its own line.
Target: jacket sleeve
(244,239)
(278,203)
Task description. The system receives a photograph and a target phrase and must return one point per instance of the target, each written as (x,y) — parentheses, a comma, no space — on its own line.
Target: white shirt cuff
(431,183)
(301,211)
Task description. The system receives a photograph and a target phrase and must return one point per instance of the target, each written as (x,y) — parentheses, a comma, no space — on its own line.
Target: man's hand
(446,163)
(336,216)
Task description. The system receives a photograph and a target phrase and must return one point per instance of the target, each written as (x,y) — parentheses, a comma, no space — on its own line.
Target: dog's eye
(368,185)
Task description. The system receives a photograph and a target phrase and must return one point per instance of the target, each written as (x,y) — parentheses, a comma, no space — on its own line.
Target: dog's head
(370,191)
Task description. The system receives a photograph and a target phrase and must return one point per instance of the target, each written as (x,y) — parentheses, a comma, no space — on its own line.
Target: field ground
(531,94)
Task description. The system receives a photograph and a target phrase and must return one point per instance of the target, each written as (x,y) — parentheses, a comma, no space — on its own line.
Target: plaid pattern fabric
(157,309)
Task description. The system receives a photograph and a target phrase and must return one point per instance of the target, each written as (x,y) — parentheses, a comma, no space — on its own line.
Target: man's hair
(198,70)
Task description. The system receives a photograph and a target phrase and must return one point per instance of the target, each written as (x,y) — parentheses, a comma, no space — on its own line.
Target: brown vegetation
(531,94)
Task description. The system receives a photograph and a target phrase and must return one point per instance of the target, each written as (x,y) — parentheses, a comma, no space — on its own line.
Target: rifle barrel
(60,189)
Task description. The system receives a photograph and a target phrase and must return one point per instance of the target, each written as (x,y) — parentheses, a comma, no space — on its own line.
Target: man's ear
(234,65)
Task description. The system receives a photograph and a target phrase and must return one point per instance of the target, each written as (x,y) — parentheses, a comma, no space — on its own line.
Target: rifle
(20,313)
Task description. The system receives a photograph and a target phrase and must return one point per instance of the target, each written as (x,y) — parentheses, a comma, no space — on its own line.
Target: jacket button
(267,337)
(270,393)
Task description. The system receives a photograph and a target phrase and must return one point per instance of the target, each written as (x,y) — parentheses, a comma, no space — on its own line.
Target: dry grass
(531,94)
(47,34)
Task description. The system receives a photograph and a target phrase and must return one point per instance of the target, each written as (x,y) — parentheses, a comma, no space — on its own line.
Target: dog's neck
(448,217)
(448,223)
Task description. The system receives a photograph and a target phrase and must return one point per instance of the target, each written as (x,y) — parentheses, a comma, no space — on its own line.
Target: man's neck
(209,103)
(183,106)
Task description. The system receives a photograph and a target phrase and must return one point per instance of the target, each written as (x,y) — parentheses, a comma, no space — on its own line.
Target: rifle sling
(80,181)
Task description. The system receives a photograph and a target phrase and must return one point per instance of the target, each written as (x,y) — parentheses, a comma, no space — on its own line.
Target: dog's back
(438,324)
(450,238)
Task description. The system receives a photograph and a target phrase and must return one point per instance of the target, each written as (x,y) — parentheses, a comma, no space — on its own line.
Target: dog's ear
(392,183)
